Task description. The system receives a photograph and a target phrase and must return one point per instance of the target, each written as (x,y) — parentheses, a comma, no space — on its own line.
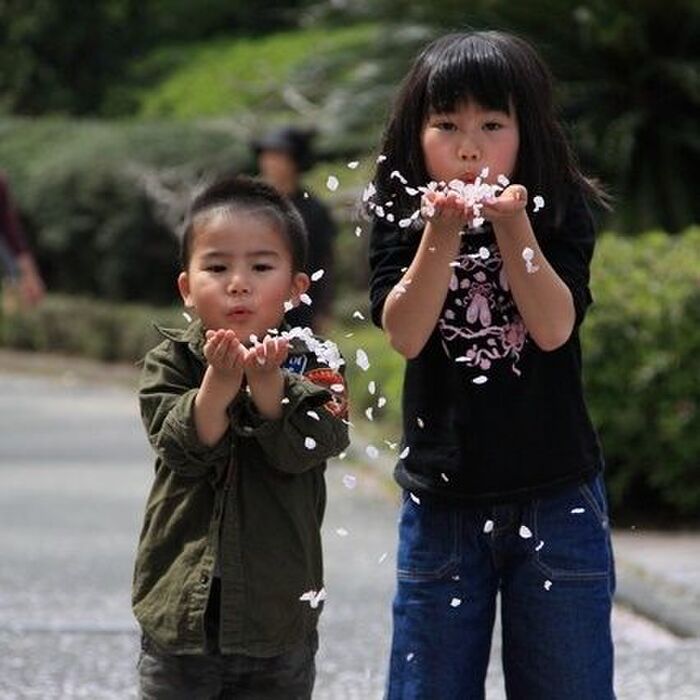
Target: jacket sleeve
(167,392)
(313,425)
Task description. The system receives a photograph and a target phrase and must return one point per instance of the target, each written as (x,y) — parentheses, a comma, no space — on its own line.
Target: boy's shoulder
(176,345)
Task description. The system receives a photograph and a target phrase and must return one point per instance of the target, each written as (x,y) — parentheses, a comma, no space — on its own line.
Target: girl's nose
(468,150)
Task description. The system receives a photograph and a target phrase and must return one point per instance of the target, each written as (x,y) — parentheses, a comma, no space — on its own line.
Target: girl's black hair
(499,71)
(245,194)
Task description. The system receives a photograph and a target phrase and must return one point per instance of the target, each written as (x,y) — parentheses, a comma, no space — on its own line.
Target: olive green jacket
(251,505)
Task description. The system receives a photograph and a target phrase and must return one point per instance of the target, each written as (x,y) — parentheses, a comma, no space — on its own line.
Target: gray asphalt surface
(74,473)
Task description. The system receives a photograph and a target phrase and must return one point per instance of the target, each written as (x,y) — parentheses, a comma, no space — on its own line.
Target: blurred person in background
(16,260)
(283,154)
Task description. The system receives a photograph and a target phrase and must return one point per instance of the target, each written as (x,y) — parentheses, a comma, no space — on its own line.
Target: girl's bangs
(476,73)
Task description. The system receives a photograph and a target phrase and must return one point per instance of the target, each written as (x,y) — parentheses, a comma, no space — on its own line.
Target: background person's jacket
(248,509)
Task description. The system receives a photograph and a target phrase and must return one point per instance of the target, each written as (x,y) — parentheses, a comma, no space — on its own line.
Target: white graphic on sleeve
(480,324)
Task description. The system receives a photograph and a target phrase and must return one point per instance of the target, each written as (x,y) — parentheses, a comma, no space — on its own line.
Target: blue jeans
(556,580)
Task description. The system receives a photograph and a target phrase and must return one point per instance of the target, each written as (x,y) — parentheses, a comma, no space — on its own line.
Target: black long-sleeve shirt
(487,415)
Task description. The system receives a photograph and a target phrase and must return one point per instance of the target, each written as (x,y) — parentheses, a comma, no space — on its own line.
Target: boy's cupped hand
(225,353)
(266,356)
(229,357)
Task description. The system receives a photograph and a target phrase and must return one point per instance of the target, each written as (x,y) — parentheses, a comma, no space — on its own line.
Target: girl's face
(458,145)
(240,274)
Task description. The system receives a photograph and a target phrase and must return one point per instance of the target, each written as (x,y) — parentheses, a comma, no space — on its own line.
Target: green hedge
(642,367)
(641,356)
(101,201)
(97,330)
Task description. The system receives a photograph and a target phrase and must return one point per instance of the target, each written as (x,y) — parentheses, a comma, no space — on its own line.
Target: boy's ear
(183,284)
(300,283)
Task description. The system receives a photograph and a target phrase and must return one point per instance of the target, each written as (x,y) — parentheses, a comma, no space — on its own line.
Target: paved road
(74,472)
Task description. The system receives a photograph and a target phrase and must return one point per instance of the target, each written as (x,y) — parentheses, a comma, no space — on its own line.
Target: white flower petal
(372,451)
(349,481)
(309,443)
(317,275)
(353,164)
(456,602)
(332,183)
(488,526)
(362,360)
(404,453)
(525,532)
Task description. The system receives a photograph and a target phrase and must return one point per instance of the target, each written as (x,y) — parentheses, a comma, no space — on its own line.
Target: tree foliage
(60,56)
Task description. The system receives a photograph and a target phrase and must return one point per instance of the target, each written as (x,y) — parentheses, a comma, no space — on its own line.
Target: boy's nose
(238,284)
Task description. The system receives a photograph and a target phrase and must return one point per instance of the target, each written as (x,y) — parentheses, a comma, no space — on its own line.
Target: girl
(500,465)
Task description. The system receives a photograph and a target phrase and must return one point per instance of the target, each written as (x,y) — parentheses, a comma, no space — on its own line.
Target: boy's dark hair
(499,71)
(245,194)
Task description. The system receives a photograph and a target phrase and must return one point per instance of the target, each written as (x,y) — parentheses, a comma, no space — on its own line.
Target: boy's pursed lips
(239,312)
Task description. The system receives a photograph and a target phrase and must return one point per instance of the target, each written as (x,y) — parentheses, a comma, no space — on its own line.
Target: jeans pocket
(573,535)
(428,541)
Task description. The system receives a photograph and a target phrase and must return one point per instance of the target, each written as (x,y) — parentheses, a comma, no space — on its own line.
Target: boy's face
(240,274)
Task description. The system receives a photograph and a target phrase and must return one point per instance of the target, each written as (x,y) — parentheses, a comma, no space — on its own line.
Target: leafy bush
(102,200)
(642,360)
(97,330)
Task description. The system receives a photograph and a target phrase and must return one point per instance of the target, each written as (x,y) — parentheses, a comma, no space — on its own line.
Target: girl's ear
(183,284)
(300,283)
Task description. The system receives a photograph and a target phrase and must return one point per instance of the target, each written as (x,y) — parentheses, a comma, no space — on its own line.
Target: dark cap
(289,139)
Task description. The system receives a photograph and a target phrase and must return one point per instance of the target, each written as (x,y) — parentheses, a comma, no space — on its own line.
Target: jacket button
(204,579)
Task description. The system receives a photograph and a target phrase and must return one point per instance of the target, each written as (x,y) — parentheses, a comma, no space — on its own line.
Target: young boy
(229,572)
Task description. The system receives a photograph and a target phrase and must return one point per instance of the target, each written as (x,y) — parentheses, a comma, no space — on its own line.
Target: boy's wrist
(223,386)
(267,392)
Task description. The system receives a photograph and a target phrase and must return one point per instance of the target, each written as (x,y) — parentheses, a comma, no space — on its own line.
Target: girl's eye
(492,126)
(445,126)
(215,268)
(262,267)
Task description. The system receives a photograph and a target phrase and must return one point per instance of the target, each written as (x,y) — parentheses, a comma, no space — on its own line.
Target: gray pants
(216,676)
